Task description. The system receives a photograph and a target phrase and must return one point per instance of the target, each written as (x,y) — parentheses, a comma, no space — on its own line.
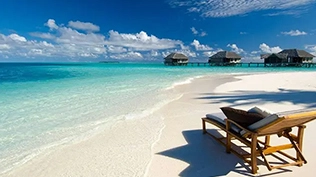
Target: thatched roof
(225,54)
(277,55)
(177,56)
(264,56)
(297,53)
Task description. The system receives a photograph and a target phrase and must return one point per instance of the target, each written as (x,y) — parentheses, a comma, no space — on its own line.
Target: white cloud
(267,49)
(154,53)
(210,53)
(294,12)
(243,33)
(184,47)
(127,56)
(294,33)
(194,31)
(86,26)
(253,56)
(42,35)
(255,52)
(116,49)
(16,37)
(225,8)
(203,33)
(140,41)
(199,46)
(188,53)
(66,41)
(16,45)
(71,36)
(19,46)
(51,24)
(234,48)
(198,33)
(312,49)
(4,46)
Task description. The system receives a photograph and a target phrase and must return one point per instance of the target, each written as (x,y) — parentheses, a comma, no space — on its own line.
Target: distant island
(109,62)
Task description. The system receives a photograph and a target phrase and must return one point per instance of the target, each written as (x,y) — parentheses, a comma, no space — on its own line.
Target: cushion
(241,117)
(261,111)
(262,123)
(220,118)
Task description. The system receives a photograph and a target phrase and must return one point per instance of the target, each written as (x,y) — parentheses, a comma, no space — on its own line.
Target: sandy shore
(170,142)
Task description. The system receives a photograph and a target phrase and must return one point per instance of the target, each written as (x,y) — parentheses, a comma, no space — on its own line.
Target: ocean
(44,105)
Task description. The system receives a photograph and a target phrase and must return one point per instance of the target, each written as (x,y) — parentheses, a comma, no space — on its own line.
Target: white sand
(170,141)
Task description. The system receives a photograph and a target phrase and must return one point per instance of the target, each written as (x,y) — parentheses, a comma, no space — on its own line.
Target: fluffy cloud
(140,41)
(294,33)
(86,26)
(188,53)
(225,8)
(116,49)
(127,56)
(51,24)
(200,47)
(67,41)
(267,49)
(15,44)
(234,48)
(17,38)
(71,36)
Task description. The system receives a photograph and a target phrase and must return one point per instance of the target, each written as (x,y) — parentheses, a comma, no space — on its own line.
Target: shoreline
(123,150)
(53,163)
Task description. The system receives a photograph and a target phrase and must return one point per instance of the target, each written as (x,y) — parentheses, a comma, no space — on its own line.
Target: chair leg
(267,141)
(253,147)
(298,150)
(228,143)
(228,138)
(203,126)
(300,135)
(264,157)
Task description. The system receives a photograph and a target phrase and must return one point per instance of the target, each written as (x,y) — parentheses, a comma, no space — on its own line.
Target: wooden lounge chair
(280,124)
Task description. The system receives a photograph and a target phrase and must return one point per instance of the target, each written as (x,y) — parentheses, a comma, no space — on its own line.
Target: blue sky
(148,30)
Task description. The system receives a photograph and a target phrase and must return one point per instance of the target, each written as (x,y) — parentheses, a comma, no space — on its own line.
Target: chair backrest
(278,122)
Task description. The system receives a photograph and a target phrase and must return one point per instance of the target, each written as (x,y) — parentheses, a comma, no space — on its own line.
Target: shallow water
(47,104)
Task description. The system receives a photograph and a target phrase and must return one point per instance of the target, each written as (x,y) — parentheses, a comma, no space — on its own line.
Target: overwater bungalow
(288,57)
(298,56)
(176,59)
(274,59)
(224,58)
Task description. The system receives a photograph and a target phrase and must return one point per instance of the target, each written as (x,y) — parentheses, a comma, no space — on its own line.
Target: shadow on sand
(252,97)
(206,157)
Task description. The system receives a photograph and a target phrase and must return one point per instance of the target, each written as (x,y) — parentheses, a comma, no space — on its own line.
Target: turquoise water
(43,105)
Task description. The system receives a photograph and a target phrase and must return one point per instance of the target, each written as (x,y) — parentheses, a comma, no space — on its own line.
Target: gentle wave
(187,81)
(44,106)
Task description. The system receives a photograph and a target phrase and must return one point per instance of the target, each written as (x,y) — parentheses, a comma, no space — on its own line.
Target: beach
(170,142)
(190,153)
